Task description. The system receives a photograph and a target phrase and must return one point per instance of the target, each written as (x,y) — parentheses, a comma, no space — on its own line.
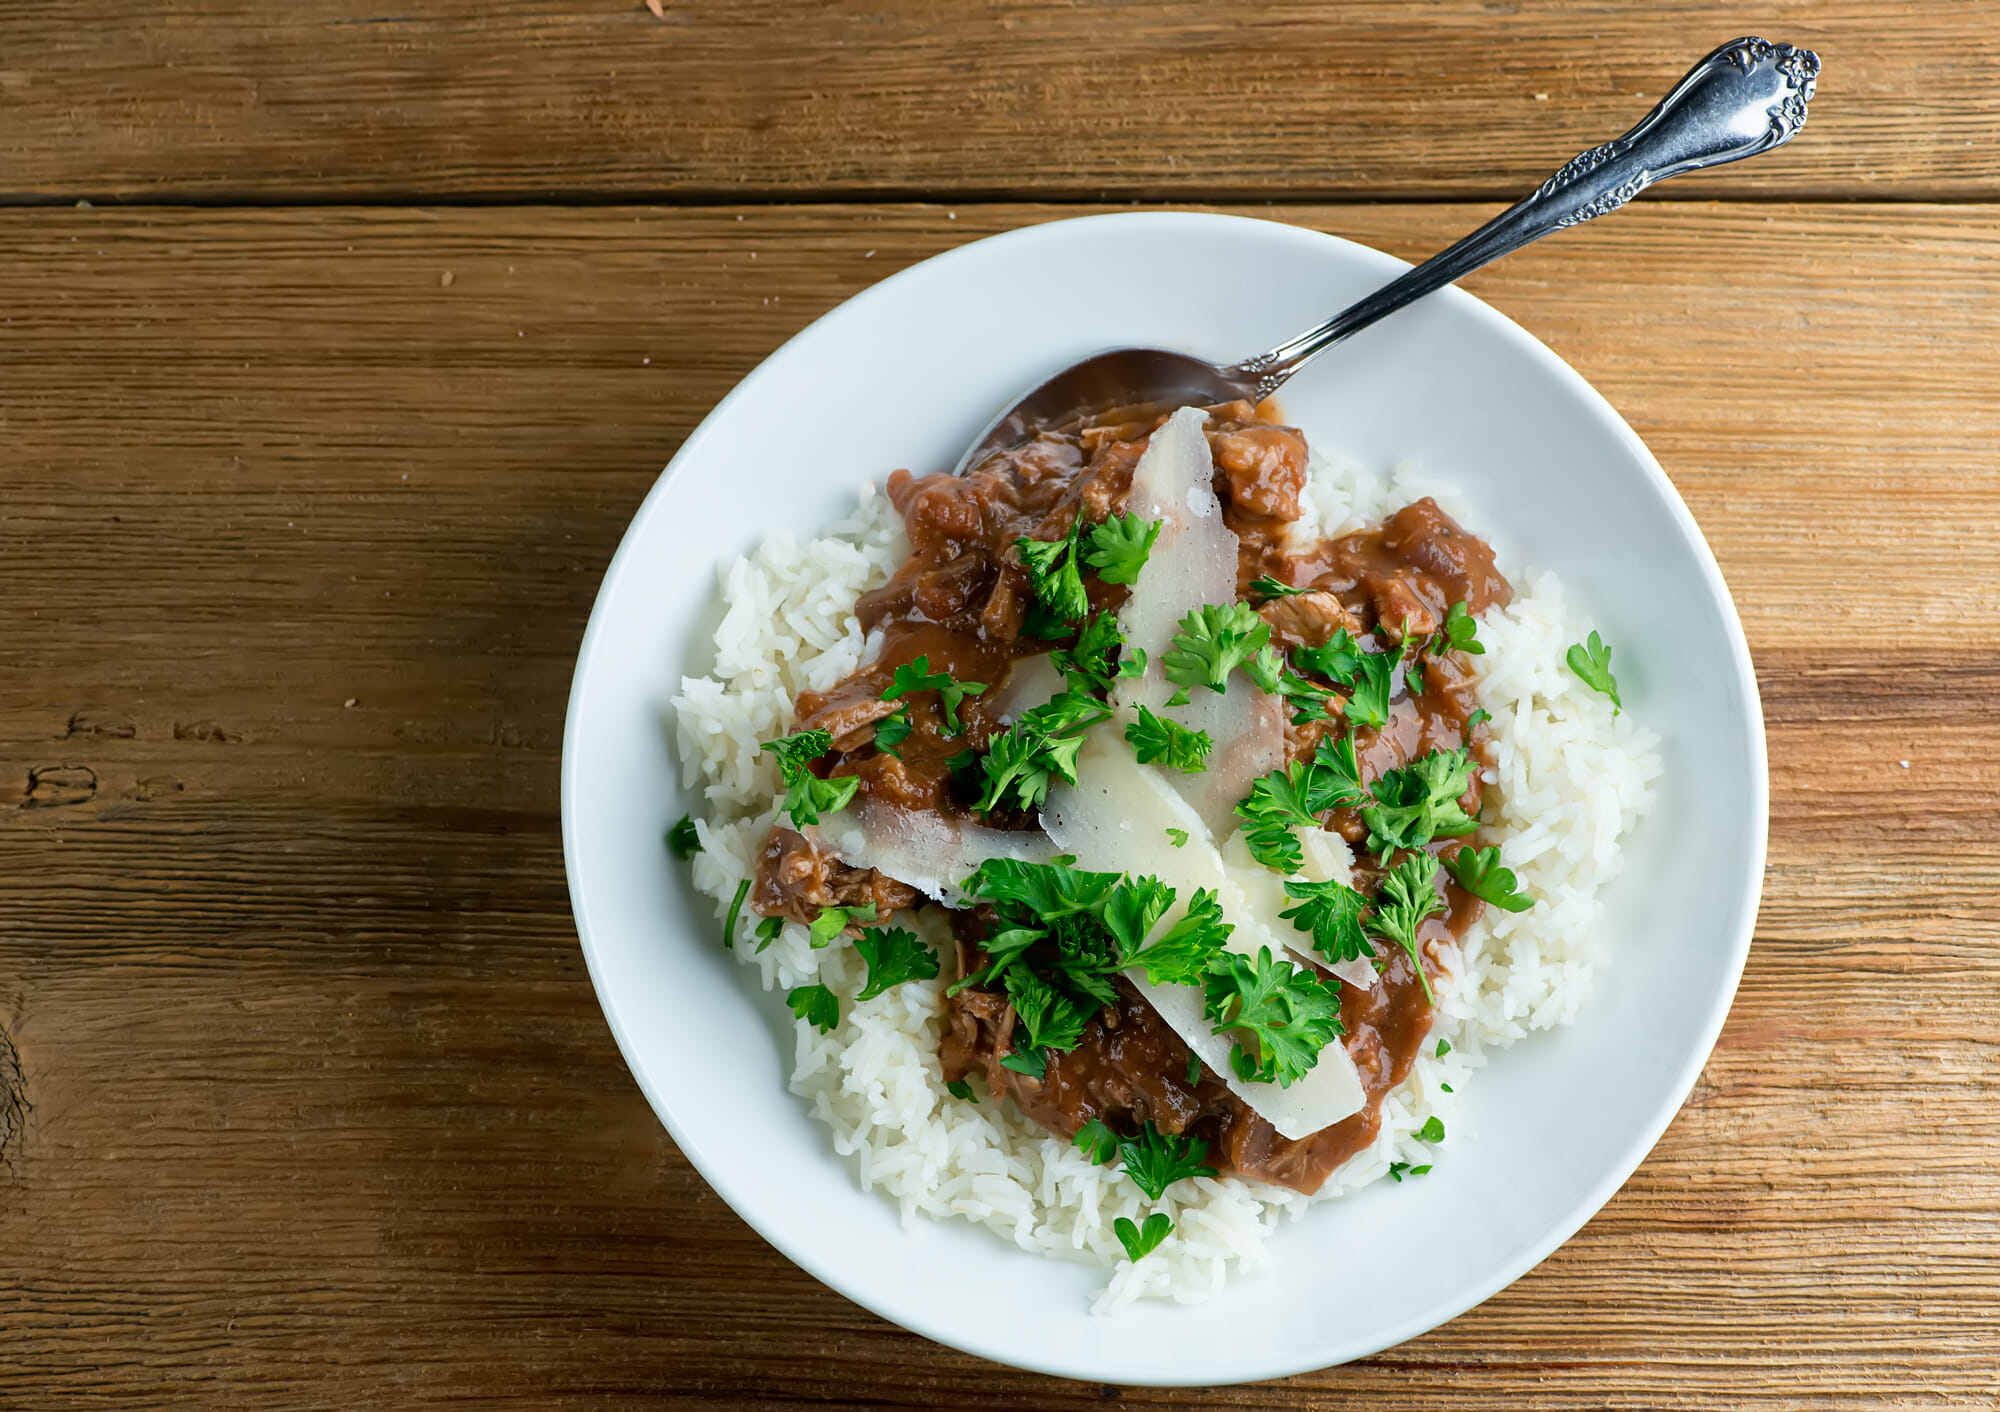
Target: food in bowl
(1152,829)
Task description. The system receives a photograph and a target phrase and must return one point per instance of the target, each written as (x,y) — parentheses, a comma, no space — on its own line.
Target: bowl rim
(1520,343)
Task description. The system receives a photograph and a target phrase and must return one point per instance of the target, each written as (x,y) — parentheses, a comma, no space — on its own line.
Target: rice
(1569,778)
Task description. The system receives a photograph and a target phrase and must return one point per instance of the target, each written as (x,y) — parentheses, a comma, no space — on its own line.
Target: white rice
(1570,777)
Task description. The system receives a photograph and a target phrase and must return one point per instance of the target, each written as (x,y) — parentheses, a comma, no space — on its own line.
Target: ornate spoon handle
(1747,97)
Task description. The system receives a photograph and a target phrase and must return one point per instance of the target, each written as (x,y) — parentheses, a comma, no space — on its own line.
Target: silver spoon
(1747,97)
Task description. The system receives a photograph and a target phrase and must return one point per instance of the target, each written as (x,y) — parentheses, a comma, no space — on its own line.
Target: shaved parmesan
(930,853)
(1193,562)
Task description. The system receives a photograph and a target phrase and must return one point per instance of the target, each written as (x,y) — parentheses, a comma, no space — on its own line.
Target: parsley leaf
(832,921)
(1088,665)
(1213,641)
(917,676)
(892,730)
(1296,797)
(768,931)
(961,1090)
(1141,1241)
(1431,1131)
(1266,588)
(1119,546)
(1178,837)
(1478,871)
(1444,1048)
(1181,954)
(1337,659)
(1591,660)
(683,839)
(1044,890)
(1156,739)
(1155,1160)
(1289,1012)
(1420,802)
(1369,705)
(1268,670)
(807,796)
(1460,633)
(735,912)
(1031,1062)
(893,956)
(1331,912)
(1335,781)
(1053,573)
(816,1005)
(1037,750)
(1193,1069)
(1408,895)
(1098,1142)
(1050,1019)
(1396,1169)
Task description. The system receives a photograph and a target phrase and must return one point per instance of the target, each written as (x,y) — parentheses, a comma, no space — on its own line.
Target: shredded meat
(796,880)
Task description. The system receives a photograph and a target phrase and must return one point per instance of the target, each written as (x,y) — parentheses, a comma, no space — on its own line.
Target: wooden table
(337,344)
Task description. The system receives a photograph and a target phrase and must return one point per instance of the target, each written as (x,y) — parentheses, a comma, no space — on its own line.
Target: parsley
(1420,802)
(1591,660)
(1030,1062)
(1268,670)
(892,730)
(1182,953)
(1049,1018)
(1408,895)
(832,921)
(1193,1068)
(1331,912)
(961,1090)
(816,1005)
(1431,1131)
(1213,641)
(683,839)
(1460,633)
(807,796)
(1037,750)
(893,956)
(1296,797)
(1178,837)
(1141,1241)
(1088,665)
(1446,1087)
(1267,588)
(1338,659)
(1478,871)
(1396,1169)
(735,911)
(1290,1012)
(1153,1160)
(1369,705)
(1045,890)
(917,676)
(1053,573)
(1119,546)
(1154,738)
(1444,1048)
(768,931)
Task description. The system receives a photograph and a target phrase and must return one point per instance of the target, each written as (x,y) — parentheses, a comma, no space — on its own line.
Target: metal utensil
(1745,98)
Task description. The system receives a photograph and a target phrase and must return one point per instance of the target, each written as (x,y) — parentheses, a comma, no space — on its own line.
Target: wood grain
(264,100)
(313,1105)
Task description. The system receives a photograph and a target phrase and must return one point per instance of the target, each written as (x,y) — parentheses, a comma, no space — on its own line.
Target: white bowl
(905,374)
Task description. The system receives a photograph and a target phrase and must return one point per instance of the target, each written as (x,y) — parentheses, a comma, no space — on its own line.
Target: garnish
(807,796)
(1331,913)
(1268,670)
(1460,633)
(1194,1068)
(735,911)
(683,839)
(1444,1048)
(1213,641)
(1296,797)
(832,921)
(893,956)
(1420,802)
(816,1005)
(1289,1012)
(1178,837)
(1141,1241)
(1337,659)
(1266,588)
(1396,1169)
(892,730)
(1369,705)
(1431,1131)
(1119,546)
(1053,573)
(1408,895)
(1153,1160)
(960,1089)
(1183,951)
(1088,664)
(1030,1062)
(1156,739)
(1478,871)
(1591,660)
(768,931)
(1445,1087)
(1039,749)
(1049,1018)
(917,676)
(1098,1142)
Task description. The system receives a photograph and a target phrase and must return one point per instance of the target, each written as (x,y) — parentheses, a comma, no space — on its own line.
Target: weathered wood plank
(1175,99)
(319,1104)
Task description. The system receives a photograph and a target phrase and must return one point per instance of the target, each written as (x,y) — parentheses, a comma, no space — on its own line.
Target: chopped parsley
(807,796)
(1266,588)
(1396,1169)
(1194,1068)
(683,839)
(1373,674)
(1089,665)
(960,1089)
(1431,1131)
(1478,871)
(1444,1048)
(1268,670)
(816,1005)
(1296,797)
(1214,640)
(1119,546)
(1446,1087)
(1408,895)
(735,912)
(1288,1012)
(917,676)
(1141,1241)
(1031,1062)
(1337,659)
(893,956)
(1178,837)
(832,921)
(768,931)
(1037,750)
(1331,913)
(1460,633)
(892,730)
(1053,573)
(1420,802)
(1153,1160)
(1155,739)
(1591,660)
